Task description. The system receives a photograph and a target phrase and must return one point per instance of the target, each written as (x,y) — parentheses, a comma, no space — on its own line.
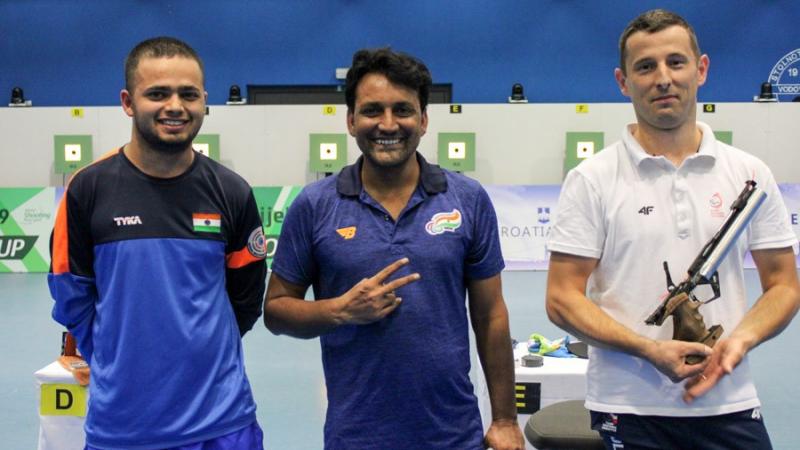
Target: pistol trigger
(715,286)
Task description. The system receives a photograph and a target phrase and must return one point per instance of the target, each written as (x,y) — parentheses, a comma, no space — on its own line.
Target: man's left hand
(504,435)
(728,353)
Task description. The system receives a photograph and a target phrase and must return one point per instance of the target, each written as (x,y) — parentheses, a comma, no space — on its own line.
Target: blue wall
(67,52)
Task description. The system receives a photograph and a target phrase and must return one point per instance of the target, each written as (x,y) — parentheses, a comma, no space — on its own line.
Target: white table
(557,380)
(62,408)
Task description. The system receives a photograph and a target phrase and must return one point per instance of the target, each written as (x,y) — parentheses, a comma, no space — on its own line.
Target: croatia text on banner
(272,203)
(524,215)
(26,219)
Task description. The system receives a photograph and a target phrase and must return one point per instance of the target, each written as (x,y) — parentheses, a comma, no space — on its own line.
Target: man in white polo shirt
(658,195)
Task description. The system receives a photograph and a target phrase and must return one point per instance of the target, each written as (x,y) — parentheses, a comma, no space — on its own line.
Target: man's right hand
(669,357)
(372,299)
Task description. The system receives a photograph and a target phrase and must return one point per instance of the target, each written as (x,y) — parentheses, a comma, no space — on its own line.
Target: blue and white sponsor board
(791,198)
(524,215)
(526,212)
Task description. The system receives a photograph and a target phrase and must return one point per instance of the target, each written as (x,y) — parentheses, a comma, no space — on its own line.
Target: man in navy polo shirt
(391,245)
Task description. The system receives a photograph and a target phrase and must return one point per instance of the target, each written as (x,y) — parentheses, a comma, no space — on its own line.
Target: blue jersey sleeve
(71,279)
(246,270)
(484,256)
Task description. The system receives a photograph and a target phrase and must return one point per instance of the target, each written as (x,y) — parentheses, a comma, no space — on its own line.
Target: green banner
(272,203)
(27,216)
(26,219)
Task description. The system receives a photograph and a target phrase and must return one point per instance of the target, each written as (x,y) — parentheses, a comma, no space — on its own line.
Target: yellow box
(63,400)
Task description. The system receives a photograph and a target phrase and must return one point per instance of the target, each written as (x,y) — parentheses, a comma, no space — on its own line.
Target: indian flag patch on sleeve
(206,223)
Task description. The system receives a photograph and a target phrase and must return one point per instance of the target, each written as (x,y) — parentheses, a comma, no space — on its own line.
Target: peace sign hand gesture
(372,299)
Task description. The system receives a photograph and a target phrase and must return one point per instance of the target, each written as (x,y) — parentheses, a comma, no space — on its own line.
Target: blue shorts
(248,438)
(739,430)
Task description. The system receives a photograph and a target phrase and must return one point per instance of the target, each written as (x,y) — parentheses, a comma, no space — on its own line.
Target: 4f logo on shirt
(127,220)
(347,232)
(444,222)
(646,210)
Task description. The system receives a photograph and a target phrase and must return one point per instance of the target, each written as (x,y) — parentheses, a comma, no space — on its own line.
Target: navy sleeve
(71,279)
(246,269)
(484,258)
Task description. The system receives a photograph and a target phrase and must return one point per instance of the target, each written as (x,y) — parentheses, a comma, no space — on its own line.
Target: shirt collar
(707,150)
(432,177)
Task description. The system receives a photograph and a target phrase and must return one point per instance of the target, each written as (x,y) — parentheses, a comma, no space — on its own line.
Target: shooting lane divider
(528,397)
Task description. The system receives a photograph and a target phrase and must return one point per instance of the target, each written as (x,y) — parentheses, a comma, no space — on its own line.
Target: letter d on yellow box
(63,400)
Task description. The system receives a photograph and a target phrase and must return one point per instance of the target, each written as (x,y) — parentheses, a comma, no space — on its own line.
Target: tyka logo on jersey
(127,221)
(646,210)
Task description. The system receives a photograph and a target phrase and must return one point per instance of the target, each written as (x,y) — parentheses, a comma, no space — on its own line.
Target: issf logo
(444,222)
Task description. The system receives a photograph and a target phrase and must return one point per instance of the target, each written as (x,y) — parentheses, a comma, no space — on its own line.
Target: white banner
(524,215)
(525,212)
(791,198)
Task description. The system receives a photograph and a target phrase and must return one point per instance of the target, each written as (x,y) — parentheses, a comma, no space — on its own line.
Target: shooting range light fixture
(341,73)
(766,94)
(18,98)
(235,96)
(517,94)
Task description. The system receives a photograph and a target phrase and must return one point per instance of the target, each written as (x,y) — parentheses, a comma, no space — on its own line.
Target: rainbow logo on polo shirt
(206,223)
(444,222)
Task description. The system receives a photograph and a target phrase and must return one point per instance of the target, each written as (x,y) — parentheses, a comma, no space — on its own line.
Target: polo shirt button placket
(390,226)
(682,207)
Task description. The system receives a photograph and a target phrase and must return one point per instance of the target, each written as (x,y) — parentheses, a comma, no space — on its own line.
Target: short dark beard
(382,164)
(168,148)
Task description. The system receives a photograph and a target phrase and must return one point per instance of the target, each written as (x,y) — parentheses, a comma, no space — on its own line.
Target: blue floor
(286,373)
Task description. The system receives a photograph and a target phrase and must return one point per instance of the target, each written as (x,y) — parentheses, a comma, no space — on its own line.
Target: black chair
(564,425)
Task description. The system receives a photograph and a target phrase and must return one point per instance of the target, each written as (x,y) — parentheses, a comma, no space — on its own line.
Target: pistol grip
(688,323)
(709,339)
(689,326)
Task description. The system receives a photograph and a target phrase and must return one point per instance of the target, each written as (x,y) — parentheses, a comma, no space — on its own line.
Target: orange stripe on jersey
(60,259)
(240,258)
(61,239)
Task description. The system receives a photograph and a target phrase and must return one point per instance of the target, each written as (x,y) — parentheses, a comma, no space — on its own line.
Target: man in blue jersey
(158,270)
(392,245)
